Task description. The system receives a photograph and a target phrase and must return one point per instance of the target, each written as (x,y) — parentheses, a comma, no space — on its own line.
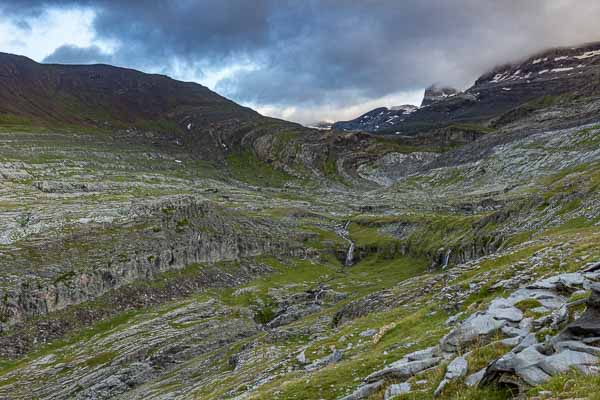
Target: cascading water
(447,258)
(350,255)
(345,234)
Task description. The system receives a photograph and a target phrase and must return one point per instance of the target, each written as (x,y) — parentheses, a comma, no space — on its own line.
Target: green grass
(528,304)
(473,128)
(100,359)
(246,167)
(571,385)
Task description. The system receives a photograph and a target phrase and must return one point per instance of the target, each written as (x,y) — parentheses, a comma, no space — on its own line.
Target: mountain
(158,241)
(104,96)
(378,119)
(500,94)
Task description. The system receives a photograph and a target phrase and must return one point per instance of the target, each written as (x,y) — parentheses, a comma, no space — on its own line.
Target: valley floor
(148,274)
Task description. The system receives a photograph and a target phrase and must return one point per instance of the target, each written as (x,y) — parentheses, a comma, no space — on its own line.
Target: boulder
(527,341)
(301,358)
(533,375)
(364,391)
(330,359)
(476,326)
(429,352)
(502,309)
(441,387)
(396,389)
(563,361)
(457,368)
(403,371)
(474,379)
(576,346)
(592,267)
(368,333)
(517,361)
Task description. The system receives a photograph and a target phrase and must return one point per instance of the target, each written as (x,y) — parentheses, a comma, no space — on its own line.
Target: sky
(301,60)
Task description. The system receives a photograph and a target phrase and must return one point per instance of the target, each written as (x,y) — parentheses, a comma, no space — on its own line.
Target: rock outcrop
(577,346)
(435,93)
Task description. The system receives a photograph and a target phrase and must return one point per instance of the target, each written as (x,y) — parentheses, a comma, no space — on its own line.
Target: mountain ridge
(554,72)
(118,97)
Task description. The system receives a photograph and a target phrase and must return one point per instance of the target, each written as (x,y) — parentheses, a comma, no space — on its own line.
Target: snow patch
(499,77)
(562,69)
(588,54)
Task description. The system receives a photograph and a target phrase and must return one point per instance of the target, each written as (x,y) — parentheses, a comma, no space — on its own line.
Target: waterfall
(350,255)
(345,234)
(446,258)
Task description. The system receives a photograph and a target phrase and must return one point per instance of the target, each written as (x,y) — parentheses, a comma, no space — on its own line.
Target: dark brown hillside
(105,96)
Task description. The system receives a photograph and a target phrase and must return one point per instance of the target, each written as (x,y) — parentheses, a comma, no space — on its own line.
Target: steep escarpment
(167,236)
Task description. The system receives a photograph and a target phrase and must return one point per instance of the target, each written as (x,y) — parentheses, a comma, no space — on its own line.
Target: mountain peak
(436,93)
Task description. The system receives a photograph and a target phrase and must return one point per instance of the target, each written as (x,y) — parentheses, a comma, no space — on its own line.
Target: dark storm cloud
(328,52)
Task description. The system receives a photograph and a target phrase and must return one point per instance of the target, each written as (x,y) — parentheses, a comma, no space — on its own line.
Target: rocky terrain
(158,241)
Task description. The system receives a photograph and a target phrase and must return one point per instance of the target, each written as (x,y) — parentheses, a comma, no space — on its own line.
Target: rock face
(587,327)
(392,166)
(437,93)
(204,235)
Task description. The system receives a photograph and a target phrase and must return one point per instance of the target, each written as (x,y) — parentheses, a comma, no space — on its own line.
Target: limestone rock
(396,389)
(457,368)
(404,370)
(364,391)
(475,378)
(476,326)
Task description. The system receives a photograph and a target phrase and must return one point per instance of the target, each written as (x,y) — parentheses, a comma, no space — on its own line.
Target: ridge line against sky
(304,61)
